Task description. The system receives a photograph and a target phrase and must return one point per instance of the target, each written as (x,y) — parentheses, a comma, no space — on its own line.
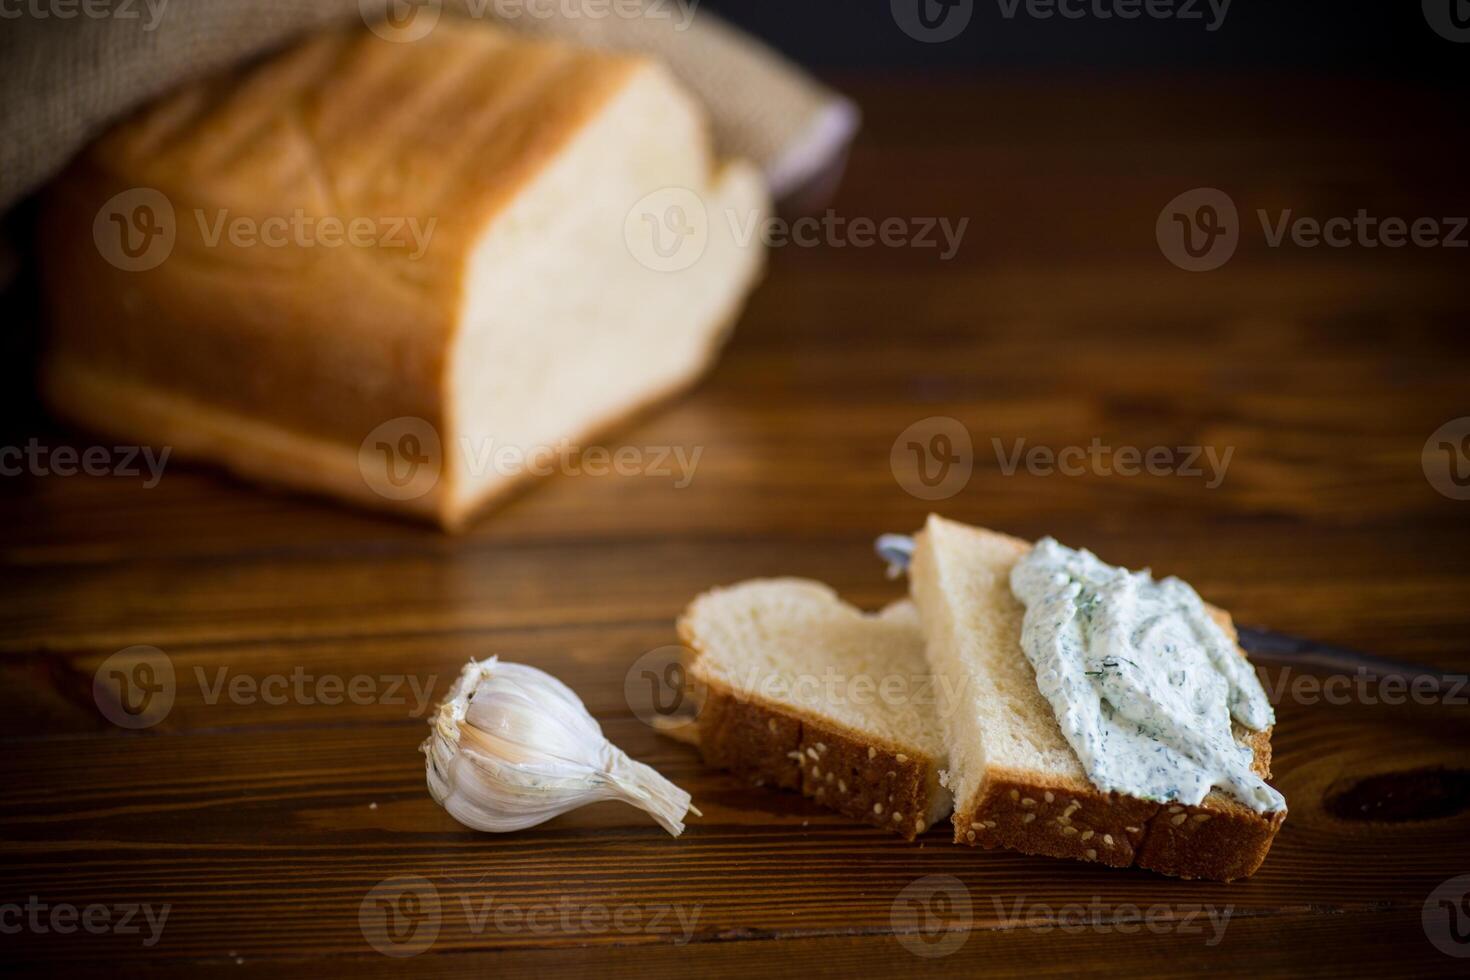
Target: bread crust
(766,744)
(276,455)
(1218,839)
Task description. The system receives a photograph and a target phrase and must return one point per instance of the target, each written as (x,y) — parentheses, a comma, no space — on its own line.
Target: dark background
(1386,38)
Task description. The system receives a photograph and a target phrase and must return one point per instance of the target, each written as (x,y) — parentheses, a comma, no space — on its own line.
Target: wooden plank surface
(265,821)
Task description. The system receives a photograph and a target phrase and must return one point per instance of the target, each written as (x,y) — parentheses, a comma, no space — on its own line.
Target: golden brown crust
(841,769)
(1218,839)
(1013,810)
(271,454)
(855,774)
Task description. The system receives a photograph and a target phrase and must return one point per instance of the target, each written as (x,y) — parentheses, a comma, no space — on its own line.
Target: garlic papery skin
(512,747)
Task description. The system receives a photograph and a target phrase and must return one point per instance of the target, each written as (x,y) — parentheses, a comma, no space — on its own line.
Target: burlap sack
(69,67)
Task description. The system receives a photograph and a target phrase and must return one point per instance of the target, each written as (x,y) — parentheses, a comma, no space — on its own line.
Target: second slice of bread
(803,691)
(1016,781)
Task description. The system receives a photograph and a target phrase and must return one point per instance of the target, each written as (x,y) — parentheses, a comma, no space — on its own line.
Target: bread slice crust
(1038,813)
(856,774)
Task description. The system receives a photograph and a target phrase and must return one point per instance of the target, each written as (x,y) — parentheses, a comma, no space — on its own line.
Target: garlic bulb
(513,747)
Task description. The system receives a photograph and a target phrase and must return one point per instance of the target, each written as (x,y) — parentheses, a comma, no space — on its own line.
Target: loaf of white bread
(800,690)
(501,293)
(978,718)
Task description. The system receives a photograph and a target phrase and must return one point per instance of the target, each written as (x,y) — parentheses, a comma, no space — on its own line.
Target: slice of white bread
(1016,781)
(800,690)
(500,299)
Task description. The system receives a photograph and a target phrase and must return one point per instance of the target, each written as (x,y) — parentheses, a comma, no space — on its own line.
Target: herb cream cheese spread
(1144,683)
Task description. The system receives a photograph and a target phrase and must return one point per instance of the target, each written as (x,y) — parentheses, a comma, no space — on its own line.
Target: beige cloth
(69,67)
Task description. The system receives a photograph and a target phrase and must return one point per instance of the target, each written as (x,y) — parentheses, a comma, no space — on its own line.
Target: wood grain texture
(265,822)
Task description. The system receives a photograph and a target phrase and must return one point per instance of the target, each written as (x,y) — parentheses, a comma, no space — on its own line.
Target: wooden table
(265,827)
